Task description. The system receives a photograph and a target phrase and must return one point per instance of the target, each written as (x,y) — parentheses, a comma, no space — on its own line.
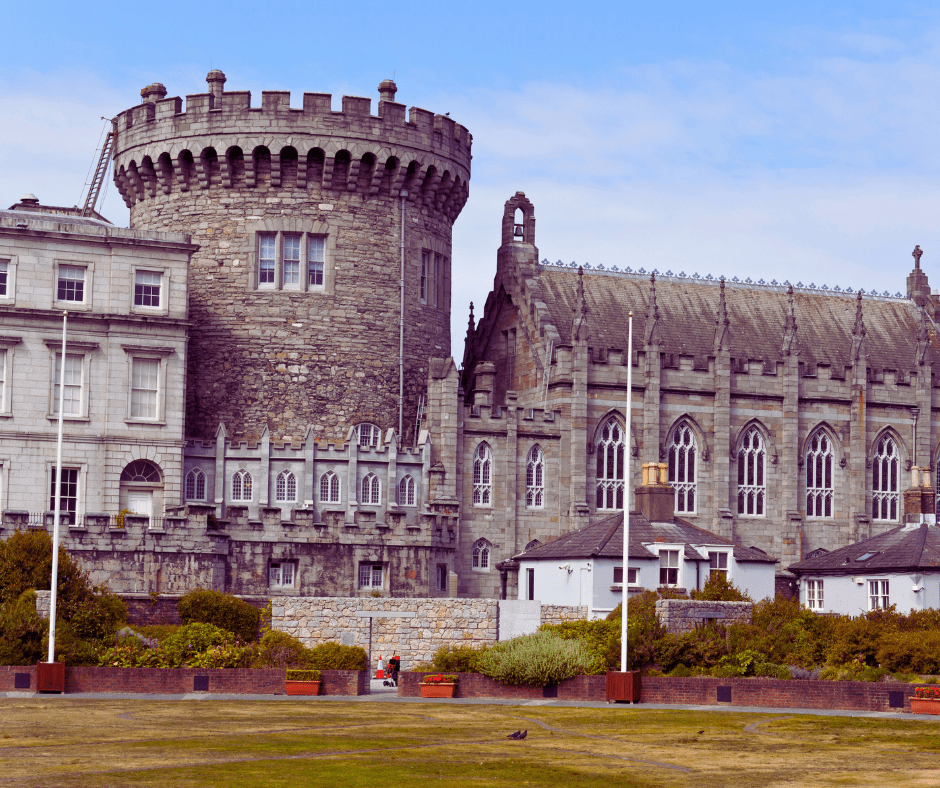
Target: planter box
(302,687)
(438,690)
(925,706)
(50,677)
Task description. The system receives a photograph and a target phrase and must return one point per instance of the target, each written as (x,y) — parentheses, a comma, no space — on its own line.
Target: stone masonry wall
(290,355)
(412,628)
(684,615)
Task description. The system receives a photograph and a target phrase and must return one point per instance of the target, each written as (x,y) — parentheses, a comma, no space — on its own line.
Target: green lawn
(74,742)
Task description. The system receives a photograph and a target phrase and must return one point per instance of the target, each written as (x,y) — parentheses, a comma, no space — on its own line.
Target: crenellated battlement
(219,141)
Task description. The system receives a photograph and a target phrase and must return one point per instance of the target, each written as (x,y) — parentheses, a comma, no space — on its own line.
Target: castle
(330,448)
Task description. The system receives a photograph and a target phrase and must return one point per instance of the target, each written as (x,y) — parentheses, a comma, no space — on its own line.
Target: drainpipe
(403,194)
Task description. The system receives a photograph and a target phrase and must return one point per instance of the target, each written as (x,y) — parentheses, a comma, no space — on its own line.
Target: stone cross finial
(579,325)
(652,316)
(858,332)
(916,254)
(722,322)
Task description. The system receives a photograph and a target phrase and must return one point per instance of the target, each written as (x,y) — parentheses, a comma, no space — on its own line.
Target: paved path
(382,694)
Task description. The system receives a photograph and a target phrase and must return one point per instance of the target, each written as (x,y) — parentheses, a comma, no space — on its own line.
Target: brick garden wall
(699,690)
(175,681)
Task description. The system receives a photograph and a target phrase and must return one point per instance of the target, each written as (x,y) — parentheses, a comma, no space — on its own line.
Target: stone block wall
(412,628)
(685,615)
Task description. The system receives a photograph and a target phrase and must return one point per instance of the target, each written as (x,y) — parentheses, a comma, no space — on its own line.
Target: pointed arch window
(482,475)
(535,478)
(819,484)
(481,555)
(285,487)
(196,485)
(329,488)
(885,481)
(610,456)
(241,486)
(406,491)
(683,467)
(752,483)
(371,490)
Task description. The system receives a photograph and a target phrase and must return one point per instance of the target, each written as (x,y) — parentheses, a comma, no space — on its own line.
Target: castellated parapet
(295,293)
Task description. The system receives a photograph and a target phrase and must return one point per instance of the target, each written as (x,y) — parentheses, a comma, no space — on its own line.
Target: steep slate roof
(605,540)
(688,309)
(910,548)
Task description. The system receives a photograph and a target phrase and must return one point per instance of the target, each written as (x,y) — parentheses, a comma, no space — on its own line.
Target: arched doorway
(142,488)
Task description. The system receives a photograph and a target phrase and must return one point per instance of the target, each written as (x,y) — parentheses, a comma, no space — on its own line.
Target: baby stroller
(394,665)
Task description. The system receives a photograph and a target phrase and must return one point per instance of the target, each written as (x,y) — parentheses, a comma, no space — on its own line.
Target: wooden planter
(623,686)
(438,690)
(302,687)
(925,706)
(50,677)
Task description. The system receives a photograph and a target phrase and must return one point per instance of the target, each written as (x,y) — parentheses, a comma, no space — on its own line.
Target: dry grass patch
(66,741)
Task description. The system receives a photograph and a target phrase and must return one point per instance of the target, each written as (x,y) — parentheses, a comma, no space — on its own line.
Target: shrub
(718,588)
(280,650)
(537,660)
(303,675)
(333,656)
(456,659)
(225,611)
(601,637)
(912,652)
(21,631)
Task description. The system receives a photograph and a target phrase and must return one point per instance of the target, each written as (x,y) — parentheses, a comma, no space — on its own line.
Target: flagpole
(58,498)
(626,497)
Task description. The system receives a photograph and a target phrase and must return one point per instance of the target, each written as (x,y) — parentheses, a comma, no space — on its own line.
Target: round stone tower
(322,283)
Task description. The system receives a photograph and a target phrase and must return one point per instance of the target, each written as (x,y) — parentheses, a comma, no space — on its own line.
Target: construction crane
(94,188)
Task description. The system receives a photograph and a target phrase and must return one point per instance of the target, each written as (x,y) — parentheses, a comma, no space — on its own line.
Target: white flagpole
(58,498)
(626,496)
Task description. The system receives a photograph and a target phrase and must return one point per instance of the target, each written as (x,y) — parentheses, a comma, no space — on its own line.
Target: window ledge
(151,422)
(55,417)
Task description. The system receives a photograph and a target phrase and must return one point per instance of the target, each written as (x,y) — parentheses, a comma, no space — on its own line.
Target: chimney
(216,81)
(152,93)
(655,498)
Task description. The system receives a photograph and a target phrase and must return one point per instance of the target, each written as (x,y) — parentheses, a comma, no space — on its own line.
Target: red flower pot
(302,687)
(441,690)
(925,706)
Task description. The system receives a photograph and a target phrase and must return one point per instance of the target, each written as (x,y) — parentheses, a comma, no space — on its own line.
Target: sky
(795,140)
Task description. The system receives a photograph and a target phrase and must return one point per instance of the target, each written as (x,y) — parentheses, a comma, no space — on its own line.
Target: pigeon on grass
(515,735)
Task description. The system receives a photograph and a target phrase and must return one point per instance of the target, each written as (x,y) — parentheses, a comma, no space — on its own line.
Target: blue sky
(789,141)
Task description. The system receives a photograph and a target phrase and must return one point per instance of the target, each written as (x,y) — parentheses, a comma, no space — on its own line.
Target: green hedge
(225,611)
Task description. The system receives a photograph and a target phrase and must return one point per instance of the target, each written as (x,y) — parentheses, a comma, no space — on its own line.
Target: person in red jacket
(394,665)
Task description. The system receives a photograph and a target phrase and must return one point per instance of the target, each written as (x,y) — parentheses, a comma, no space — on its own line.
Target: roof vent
(30,199)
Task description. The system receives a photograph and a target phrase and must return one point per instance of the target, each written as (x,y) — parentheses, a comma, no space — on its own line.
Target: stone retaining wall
(684,615)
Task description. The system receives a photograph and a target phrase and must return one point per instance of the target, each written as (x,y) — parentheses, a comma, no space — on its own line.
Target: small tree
(718,588)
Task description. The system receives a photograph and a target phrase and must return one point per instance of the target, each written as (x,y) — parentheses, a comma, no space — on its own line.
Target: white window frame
(718,562)
(7,344)
(669,562)
(820,476)
(481,556)
(196,475)
(371,490)
(368,435)
(407,489)
(633,576)
(285,487)
(84,349)
(145,389)
(315,242)
(535,478)
(371,576)
(242,475)
(282,574)
(328,477)
(87,279)
(814,595)
(752,474)
(610,453)
(683,467)
(162,307)
(483,475)
(886,481)
(80,488)
(879,593)
(8,297)
(161,356)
